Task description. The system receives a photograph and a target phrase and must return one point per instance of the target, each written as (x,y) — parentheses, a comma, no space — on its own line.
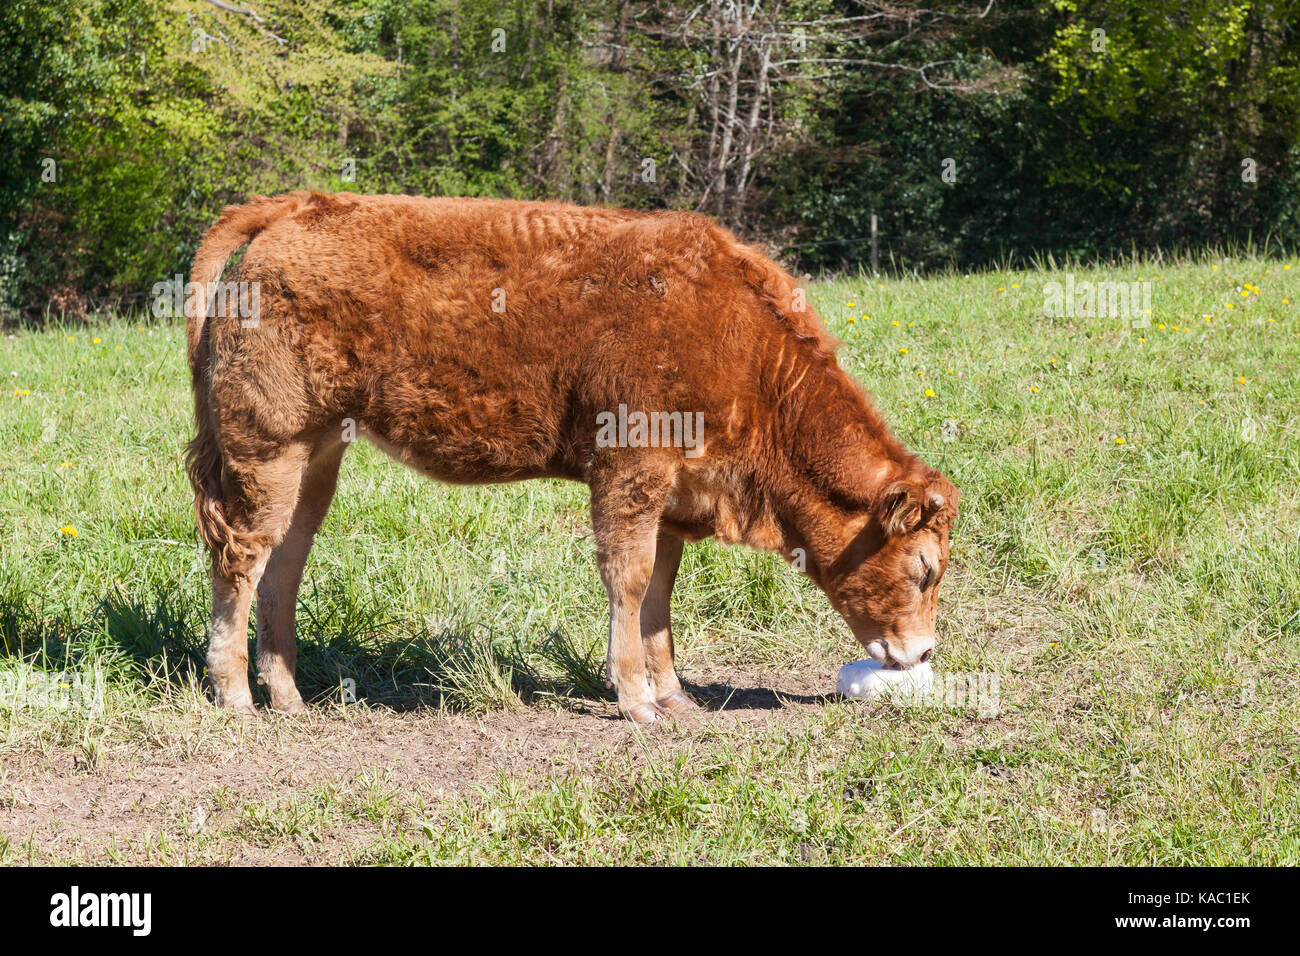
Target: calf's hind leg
(257,503)
(277,593)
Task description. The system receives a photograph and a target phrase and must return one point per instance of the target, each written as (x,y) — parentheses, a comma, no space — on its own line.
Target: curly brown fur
(480,340)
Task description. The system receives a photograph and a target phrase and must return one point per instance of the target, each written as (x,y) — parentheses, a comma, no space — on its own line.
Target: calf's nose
(913,652)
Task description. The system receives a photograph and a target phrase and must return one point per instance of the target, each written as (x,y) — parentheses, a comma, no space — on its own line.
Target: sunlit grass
(1127,559)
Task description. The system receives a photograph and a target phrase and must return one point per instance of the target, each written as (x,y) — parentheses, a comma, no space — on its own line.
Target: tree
(760,75)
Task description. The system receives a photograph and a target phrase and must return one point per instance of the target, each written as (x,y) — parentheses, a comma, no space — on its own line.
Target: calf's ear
(900,508)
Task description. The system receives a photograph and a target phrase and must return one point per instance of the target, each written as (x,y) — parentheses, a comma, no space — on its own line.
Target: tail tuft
(230,556)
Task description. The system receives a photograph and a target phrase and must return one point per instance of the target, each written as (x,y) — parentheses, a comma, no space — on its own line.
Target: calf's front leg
(625,569)
(656,627)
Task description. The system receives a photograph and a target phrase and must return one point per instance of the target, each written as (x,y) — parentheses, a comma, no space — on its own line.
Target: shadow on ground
(347,650)
(720,696)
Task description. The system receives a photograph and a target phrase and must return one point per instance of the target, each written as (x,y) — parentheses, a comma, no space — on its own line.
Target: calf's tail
(203,460)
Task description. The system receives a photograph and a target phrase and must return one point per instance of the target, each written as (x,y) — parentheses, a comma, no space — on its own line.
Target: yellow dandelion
(66,464)
(929,393)
(853,305)
(68,531)
(1118,440)
(1141,339)
(1033,388)
(895,323)
(902,351)
(852,320)
(1160,326)
(1241,380)
(1286,265)
(96,341)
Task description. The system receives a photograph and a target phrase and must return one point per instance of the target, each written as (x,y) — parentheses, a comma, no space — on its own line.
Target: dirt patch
(184,772)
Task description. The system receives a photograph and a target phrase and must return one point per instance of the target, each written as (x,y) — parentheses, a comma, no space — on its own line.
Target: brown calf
(674,371)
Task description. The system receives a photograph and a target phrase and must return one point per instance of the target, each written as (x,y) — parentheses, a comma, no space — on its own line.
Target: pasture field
(1127,563)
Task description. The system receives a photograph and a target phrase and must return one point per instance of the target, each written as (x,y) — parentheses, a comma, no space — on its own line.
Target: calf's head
(883,571)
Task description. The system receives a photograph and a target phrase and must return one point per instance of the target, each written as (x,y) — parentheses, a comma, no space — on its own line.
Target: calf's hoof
(241,709)
(294,706)
(643,713)
(677,703)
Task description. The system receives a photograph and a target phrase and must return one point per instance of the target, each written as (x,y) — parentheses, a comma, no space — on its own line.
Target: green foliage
(126,125)
(1061,147)
(1181,98)
(501,98)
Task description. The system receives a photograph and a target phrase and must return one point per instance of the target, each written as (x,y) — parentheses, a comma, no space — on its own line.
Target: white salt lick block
(870,678)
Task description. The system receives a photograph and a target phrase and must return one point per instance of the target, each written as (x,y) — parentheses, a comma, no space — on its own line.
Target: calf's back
(480,339)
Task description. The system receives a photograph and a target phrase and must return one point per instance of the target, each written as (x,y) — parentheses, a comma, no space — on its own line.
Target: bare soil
(185,773)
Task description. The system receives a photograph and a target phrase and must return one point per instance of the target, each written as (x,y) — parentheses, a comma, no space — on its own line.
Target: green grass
(1127,560)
